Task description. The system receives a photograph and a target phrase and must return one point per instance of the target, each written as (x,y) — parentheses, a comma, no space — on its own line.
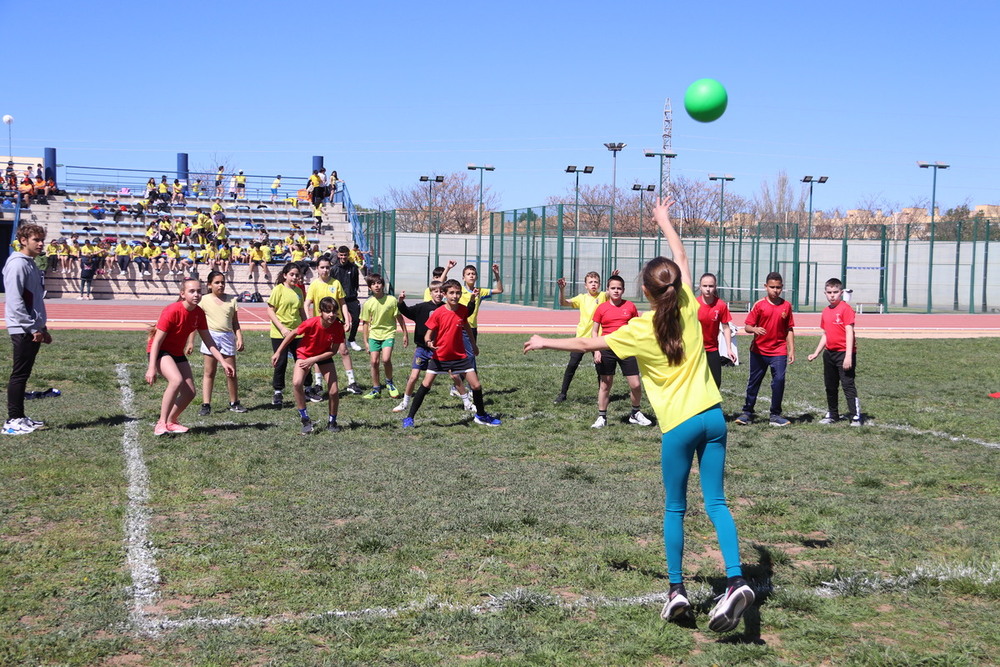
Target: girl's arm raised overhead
(661,215)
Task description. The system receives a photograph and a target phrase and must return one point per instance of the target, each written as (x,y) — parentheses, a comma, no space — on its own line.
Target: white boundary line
(141,558)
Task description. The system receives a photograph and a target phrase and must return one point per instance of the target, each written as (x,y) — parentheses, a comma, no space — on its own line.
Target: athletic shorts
(609,360)
(468,348)
(421,358)
(178,358)
(224,340)
(453,367)
(377,345)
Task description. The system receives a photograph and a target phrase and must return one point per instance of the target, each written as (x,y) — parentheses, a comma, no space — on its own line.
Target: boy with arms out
(447,330)
(379,315)
(586,302)
(840,353)
(773,327)
(325,285)
(610,316)
(321,336)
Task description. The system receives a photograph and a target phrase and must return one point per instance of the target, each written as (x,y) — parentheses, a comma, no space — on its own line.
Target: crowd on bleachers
(28,187)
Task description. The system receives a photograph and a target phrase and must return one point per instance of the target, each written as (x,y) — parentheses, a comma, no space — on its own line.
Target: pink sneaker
(160,429)
(177,428)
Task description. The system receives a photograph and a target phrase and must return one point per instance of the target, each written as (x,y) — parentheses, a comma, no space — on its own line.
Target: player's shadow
(759,577)
(116,420)
(218,428)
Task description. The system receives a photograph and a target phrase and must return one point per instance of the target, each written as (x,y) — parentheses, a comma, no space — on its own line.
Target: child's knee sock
(418,398)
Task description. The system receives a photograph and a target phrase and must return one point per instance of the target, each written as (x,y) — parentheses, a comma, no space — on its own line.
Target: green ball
(706,100)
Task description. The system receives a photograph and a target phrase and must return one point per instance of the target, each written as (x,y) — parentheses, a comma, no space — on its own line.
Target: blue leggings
(704,434)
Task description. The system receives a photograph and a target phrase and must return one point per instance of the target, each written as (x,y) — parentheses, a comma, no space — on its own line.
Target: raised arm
(497,280)
(562,294)
(661,215)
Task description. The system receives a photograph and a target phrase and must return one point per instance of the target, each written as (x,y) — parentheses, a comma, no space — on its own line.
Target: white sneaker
(726,614)
(468,405)
(600,423)
(19,426)
(827,419)
(354,346)
(403,405)
(454,392)
(639,419)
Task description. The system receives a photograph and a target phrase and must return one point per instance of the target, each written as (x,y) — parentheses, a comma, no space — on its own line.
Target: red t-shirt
(317,339)
(612,317)
(178,322)
(777,321)
(448,326)
(834,322)
(710,317)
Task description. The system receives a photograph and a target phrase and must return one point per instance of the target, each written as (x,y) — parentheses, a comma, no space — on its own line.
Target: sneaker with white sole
(354,346)
(307,426)
(19,426)
(403,405)
(237,407)
(373,393)
(856,421)
(277,399)
(829,419)
(455,393)
(639,419)
(355,388)
(160,429)
(600,423)
(487,420)
(677,604)
(206,409)
(728,611)
(314,394)
(37,424)
(744,418)
(778,420)
(174,427)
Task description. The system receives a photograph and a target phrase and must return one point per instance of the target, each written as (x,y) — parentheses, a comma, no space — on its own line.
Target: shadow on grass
(759,576)
(210,430)
(116,420)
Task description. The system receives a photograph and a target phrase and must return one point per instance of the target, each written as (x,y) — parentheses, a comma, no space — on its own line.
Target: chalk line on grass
(139,549)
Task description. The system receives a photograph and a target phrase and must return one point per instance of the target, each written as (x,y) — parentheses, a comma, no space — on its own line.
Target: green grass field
(538,542)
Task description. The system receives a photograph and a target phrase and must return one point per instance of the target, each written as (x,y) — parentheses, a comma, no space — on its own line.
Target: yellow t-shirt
(172,253)
(319,289)
(287,304)
(275,184)
(297,255)
(676,393)
(87,249)
(380,313)
(256,254)
(479,294)
(224,253)
(587,304)
(50,249)
(265,252)
(219,315)
(221,232)
(162,187)
(122,250)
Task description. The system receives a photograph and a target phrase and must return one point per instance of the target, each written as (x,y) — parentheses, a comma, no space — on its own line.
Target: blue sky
(387,91)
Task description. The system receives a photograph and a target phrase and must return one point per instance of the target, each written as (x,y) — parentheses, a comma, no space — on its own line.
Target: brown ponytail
(662,279)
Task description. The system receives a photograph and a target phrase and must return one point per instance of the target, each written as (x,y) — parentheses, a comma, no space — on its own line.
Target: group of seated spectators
(27,187)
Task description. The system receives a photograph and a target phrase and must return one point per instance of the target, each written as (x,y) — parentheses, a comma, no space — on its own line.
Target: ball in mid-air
(705,100)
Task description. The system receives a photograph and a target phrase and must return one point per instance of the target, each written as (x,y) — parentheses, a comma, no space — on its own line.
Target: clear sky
(387,91)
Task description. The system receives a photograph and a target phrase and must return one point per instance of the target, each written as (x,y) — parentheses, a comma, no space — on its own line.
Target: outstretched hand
(536,342)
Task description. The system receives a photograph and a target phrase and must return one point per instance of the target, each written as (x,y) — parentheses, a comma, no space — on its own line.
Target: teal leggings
(705,435)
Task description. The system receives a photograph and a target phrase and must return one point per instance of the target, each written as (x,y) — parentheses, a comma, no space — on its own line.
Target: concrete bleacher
(64,216)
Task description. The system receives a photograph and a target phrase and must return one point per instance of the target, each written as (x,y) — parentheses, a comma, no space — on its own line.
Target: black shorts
(609,360)
(453,366)
(178,358)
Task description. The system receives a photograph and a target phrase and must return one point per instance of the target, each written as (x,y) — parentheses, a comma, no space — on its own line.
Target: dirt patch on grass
(221,494)
(125,659)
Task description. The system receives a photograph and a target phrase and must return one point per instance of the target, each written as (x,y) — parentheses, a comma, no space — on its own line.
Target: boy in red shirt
(772,325)
(713,312)
(445,329)
(610,316)
(321,337)
(840,356)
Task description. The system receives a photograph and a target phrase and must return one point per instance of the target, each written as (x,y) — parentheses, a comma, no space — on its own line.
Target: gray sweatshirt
(25,307)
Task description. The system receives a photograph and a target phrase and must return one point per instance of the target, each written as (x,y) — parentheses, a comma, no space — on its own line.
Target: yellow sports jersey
(479,294)
(87,249)
(224,253)
(221,232)
(587,304)
(172,253)
(276,183)
(319,289)
(676,393)
(380,313)
(297,255)
(265,252)
(162,187)
(122,249)
(216,207)
(256,254)
(50,249)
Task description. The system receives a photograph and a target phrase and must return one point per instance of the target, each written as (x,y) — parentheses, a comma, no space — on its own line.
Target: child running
(713,313)
(379,315)
(610,316)
(224,328)
(773,326)
(421,353)
(166,348)
(322,286)
(320,337)
(840,353)
(667,344)
(586,302)
(447,329)
(285,310)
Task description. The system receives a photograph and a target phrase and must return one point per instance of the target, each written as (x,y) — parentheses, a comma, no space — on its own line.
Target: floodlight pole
(431,180)
(571,169)
(642,190)
(722,199)
(809,231)
(930,254)
(479,222)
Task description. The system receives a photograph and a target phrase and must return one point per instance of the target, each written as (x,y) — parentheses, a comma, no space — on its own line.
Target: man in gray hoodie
(24,313)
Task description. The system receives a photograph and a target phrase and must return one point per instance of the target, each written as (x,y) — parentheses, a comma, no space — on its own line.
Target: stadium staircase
(66,215)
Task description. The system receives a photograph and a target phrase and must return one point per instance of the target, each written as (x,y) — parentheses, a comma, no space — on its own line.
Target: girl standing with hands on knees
(166,347)
(667,342)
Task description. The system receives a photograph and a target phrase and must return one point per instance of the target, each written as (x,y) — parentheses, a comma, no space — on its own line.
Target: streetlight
(8,120)
(573,170)
(722,207)
(642,190)
(615,148)
(930,261)
(431,180)
(479,223)
(662,156)
(810,180)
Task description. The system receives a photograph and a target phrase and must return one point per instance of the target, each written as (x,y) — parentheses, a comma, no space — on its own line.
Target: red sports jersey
(777,321)
(178,322)
(834,322)
(710,318)
(448,326)
(317,339)
(612,317)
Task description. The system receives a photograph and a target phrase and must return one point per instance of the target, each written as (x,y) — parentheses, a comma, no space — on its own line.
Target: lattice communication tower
(668,132)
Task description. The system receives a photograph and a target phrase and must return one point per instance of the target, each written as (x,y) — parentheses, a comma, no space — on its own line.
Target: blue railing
(352,216)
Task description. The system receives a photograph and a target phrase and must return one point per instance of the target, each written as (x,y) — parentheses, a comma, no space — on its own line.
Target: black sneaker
(206,409)
(728,611)
(561,398)
(277,399)
(314,395)
(677,604)
(307,426)
(355,388)
(333,427)
(236,407)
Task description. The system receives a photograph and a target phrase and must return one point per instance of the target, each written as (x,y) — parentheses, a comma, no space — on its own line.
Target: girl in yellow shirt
(667,343)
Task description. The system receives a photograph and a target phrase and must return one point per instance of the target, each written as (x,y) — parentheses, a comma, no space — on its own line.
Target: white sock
(350,377)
